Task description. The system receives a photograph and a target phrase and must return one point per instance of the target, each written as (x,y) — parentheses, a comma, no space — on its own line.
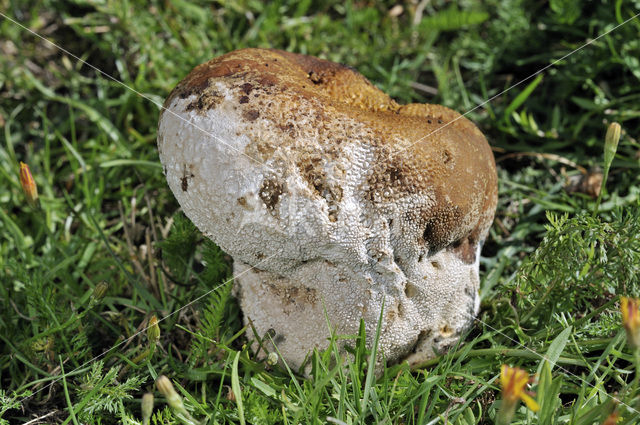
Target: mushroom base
(298,314)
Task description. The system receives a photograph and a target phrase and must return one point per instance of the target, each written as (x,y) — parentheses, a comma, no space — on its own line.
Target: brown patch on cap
(270,193)
(440,224)
(250,115)
(200,78)
(186,175)
(246,88)
(242,201)
(465,249)
(292,297)
(208,99)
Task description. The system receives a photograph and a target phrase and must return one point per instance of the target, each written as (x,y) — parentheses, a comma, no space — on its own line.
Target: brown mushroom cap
(421,147)
(367,181)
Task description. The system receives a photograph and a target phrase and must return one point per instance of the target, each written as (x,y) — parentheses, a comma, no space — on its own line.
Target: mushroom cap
(333,200)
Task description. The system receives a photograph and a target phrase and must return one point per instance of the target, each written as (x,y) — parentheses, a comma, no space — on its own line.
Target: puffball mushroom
(333,201)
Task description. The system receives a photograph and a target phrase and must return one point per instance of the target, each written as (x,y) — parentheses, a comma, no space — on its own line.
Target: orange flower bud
(98,293)
(153,330)
(612,419)
(631,319)
(28,185)
(165,387)
(147,407)
(174,400)
(611,142)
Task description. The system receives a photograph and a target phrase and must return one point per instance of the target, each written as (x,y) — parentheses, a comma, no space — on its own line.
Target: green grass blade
(371,367)
(235,386)
(522,97)
(556,348)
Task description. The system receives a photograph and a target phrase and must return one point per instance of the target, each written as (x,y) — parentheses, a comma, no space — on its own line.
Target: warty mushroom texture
(326,203)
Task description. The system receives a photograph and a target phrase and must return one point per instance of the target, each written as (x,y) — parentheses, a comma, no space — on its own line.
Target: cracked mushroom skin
(311,179)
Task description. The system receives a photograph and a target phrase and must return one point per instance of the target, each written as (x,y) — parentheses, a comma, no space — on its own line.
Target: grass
(552,271)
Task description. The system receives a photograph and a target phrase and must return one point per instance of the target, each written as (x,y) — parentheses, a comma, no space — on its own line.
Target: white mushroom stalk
(326,205)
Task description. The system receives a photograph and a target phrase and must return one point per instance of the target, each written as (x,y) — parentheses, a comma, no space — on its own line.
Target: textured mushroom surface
(311,178)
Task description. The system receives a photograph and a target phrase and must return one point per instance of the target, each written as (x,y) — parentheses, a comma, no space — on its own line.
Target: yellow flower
(631,319)
(28,185)
(514,381)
